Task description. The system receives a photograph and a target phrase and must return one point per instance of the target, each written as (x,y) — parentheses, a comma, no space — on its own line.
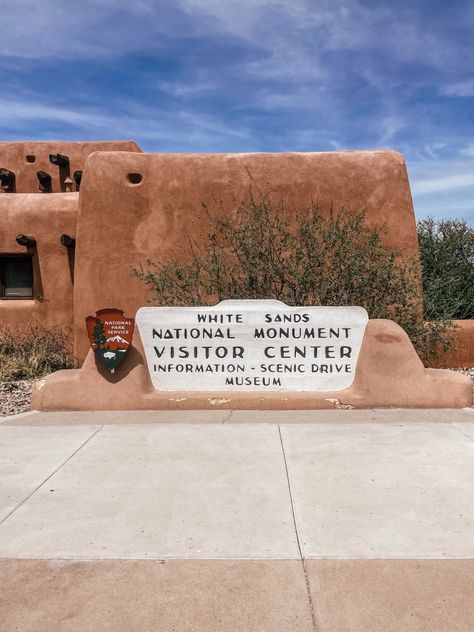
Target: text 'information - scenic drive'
(252,345)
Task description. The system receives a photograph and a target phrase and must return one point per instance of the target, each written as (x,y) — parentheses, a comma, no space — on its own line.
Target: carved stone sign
(252,345)
(110,335)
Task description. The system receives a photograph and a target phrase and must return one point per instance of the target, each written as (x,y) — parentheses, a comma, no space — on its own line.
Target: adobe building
(39,196)
(76,218)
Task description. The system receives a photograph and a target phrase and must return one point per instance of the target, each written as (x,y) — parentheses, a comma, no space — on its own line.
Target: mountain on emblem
(110,336)
(117,339)
(116,343)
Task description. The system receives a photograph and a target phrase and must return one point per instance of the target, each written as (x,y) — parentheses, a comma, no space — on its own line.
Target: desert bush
(447,259)
(32,352)
(314,259)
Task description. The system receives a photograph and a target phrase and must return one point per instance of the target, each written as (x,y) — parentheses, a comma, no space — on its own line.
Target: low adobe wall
(140,206)
(389,374)
(462,352)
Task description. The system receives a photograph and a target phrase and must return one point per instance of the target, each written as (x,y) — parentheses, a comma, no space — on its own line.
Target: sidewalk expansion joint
(300,550)
(464,434)
(229,416)
(20,504)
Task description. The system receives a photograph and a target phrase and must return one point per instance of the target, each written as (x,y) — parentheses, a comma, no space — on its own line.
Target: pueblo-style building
(76,218)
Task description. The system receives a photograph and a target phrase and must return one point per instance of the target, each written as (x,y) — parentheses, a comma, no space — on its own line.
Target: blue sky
(251,75)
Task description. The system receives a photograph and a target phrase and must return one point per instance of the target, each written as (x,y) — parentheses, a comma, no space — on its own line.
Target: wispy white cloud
(85,29)
(107,27)
(459,180)
(28,110)
(299,98)
(433,150)
(238,75)
(185,89)
(131,119)
(389,126)
(459,89)
(468,151)
(443,187)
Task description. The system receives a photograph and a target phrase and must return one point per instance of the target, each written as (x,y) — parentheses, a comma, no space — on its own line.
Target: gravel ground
(15,397)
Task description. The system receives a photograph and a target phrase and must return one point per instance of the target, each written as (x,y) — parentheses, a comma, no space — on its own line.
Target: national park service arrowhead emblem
(110,336)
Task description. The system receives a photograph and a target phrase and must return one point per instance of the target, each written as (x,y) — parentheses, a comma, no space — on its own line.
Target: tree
(447,259)
(98,334)
(314,259)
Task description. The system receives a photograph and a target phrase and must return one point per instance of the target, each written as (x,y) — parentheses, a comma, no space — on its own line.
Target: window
(16,276)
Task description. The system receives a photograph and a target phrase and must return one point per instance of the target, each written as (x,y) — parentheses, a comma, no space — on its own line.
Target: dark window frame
(10,256)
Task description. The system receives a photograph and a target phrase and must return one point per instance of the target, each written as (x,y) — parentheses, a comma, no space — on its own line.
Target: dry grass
(32,352)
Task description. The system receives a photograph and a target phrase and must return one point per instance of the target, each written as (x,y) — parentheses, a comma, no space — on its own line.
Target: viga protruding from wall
(389,373)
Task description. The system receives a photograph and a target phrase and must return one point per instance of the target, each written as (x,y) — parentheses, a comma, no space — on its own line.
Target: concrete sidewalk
(317,525)
(222,416)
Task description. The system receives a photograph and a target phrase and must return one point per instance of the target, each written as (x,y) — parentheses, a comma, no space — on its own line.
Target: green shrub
(33,352)
(447,259)
(334,259)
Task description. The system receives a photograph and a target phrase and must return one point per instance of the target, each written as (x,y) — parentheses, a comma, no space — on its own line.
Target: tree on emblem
(98,335)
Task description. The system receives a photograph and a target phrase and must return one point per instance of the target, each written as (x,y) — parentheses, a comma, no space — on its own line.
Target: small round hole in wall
(30,158)
(135,178)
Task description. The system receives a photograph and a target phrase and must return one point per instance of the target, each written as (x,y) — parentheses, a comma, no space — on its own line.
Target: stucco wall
(45,217)
(122,224)
(462,352)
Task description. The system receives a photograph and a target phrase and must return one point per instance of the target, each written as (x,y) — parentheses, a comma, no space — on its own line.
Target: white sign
(252,345)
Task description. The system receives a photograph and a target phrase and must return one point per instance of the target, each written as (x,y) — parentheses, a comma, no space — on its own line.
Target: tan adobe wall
(122,224)
(45,217)
(462,352)
(13,156)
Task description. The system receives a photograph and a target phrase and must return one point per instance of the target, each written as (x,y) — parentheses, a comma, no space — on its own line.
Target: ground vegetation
(254,251)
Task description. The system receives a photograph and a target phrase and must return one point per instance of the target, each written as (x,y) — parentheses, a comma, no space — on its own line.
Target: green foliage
(447,259)
(33,352)
(314,259)
(98,334)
